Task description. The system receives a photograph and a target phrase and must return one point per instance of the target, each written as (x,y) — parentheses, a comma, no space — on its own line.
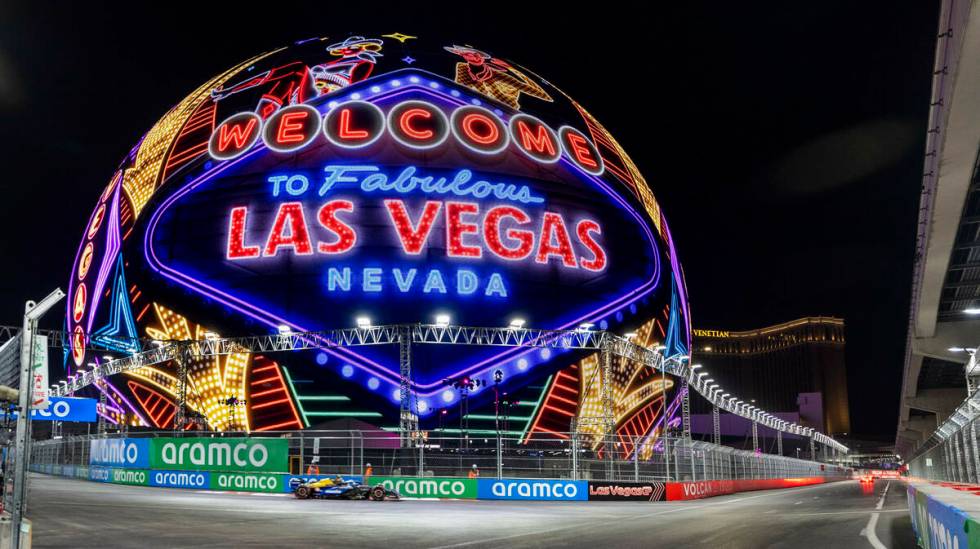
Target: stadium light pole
(32,313)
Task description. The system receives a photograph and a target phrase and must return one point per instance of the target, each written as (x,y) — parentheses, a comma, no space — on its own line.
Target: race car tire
(377,493)
(302,492)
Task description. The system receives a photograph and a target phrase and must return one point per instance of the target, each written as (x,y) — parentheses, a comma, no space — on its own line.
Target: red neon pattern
(346,237)
(491,231)
(540,143)
(560,404)
(344,131)
(471,121)
(81,299)
(554,228)
(405,123)
(193,138)
(412,237)
(584,230)
(291,126)
(270,405)
(298,237)
(236,236)
(96,221)
(638,425)
(85,261)
(456,228)
(238,136)
(580,151)
(158,408)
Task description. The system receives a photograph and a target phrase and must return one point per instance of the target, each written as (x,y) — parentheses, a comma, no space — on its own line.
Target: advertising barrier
(709,488)
(122,452)
(937,524)
(181,479)
(136,477)
(80,410)
(246,482)
(626,491)
(98,473)
(412,487)
(265,455)
(537,489)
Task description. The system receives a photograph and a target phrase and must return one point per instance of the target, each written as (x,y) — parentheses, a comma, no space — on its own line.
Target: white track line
(869,530)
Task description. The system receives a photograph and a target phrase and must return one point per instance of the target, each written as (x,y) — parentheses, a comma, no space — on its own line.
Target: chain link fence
(563,456)
(955,459)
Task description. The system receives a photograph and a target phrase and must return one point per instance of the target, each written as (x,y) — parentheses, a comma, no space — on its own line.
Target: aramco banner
(266,455)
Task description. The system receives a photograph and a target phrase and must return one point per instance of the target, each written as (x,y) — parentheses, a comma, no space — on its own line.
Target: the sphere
(384,180)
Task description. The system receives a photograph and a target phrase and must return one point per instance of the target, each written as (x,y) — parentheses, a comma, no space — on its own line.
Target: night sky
(784,141)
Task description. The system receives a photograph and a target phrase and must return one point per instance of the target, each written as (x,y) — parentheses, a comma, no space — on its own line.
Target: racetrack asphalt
(78,513)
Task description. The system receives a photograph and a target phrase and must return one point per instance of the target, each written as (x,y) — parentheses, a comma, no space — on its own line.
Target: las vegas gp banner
(537,489)
(626,491)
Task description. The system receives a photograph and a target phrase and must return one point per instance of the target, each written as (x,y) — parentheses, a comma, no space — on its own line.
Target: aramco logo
(214,454)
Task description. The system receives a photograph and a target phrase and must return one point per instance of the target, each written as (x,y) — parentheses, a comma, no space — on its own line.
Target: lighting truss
(578,339)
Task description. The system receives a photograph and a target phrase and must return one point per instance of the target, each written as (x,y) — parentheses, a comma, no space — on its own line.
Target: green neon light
(492,418)
(326,397)
(524,403)
(289,379)
(345,414)
(536,406)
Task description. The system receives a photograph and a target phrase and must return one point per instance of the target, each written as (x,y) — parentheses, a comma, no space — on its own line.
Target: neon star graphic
(408,59)
(399,36)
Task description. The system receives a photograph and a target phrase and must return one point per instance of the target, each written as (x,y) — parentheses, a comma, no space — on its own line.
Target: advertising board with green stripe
(247,482)
(252,455)
(413,487)
(135,477)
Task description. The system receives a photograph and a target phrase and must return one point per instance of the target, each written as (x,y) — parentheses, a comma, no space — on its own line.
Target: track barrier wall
(943,515)
(262,464)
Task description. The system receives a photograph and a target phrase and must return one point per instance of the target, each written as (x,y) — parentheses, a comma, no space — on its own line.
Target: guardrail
(563,456)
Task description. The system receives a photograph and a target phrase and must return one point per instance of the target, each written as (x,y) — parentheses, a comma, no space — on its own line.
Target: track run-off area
(78,513)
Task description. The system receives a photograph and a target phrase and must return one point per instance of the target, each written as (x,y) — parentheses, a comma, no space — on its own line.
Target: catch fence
(561,456)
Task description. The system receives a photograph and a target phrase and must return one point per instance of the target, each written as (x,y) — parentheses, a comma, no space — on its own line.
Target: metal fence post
(574,446)
(500,457)
(636,459)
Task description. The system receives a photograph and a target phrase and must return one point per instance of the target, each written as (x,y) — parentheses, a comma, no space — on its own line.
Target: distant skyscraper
(774,365)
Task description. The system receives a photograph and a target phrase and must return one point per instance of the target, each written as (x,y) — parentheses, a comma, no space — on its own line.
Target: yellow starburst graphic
(211,380)
(399,36)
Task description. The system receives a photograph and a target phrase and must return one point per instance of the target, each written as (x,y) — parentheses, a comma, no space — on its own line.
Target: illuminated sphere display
(391,178)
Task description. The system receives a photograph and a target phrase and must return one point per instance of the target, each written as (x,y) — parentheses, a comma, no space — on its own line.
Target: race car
(339,488)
